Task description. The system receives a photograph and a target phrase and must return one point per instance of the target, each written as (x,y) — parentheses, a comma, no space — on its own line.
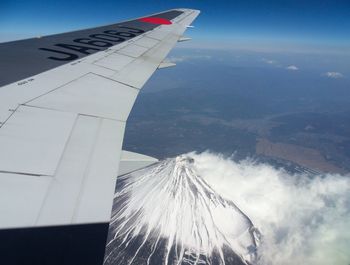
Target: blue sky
(257,23)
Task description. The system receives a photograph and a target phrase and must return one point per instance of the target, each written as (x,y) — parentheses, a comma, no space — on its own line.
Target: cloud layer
(303,220)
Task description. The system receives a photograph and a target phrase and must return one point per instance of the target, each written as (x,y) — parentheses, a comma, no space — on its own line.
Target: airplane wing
(64,102)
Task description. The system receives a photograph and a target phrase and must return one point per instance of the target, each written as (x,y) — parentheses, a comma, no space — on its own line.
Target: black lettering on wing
(78,48)
(68,56)
(107,37)
(102,40)
(97,43)
(120,34)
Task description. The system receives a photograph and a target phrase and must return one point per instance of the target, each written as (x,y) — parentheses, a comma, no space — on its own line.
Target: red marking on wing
(156,20)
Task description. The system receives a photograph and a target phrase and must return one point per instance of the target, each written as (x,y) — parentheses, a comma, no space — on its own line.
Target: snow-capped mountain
(168,214)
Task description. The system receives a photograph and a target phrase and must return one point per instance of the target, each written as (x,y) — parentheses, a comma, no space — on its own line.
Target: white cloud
(268,61)
(302,220)
(334,75)
(292,68)
(272,62)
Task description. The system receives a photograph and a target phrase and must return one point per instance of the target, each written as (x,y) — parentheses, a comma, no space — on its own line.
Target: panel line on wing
(86,171)
(32,141)
(92,94)
(114,61)
(120,82)
(12,112)
(52,90)
(24,173)
(80,114)
(150,37)
(58,187)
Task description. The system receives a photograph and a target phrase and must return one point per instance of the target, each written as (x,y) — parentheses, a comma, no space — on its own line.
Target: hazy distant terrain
(282,107)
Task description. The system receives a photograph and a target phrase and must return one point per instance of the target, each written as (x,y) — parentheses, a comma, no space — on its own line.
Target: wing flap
(131,161)
(95,203)
(83,184)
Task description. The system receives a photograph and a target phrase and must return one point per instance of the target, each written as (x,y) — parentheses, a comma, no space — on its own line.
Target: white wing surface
(62,129)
